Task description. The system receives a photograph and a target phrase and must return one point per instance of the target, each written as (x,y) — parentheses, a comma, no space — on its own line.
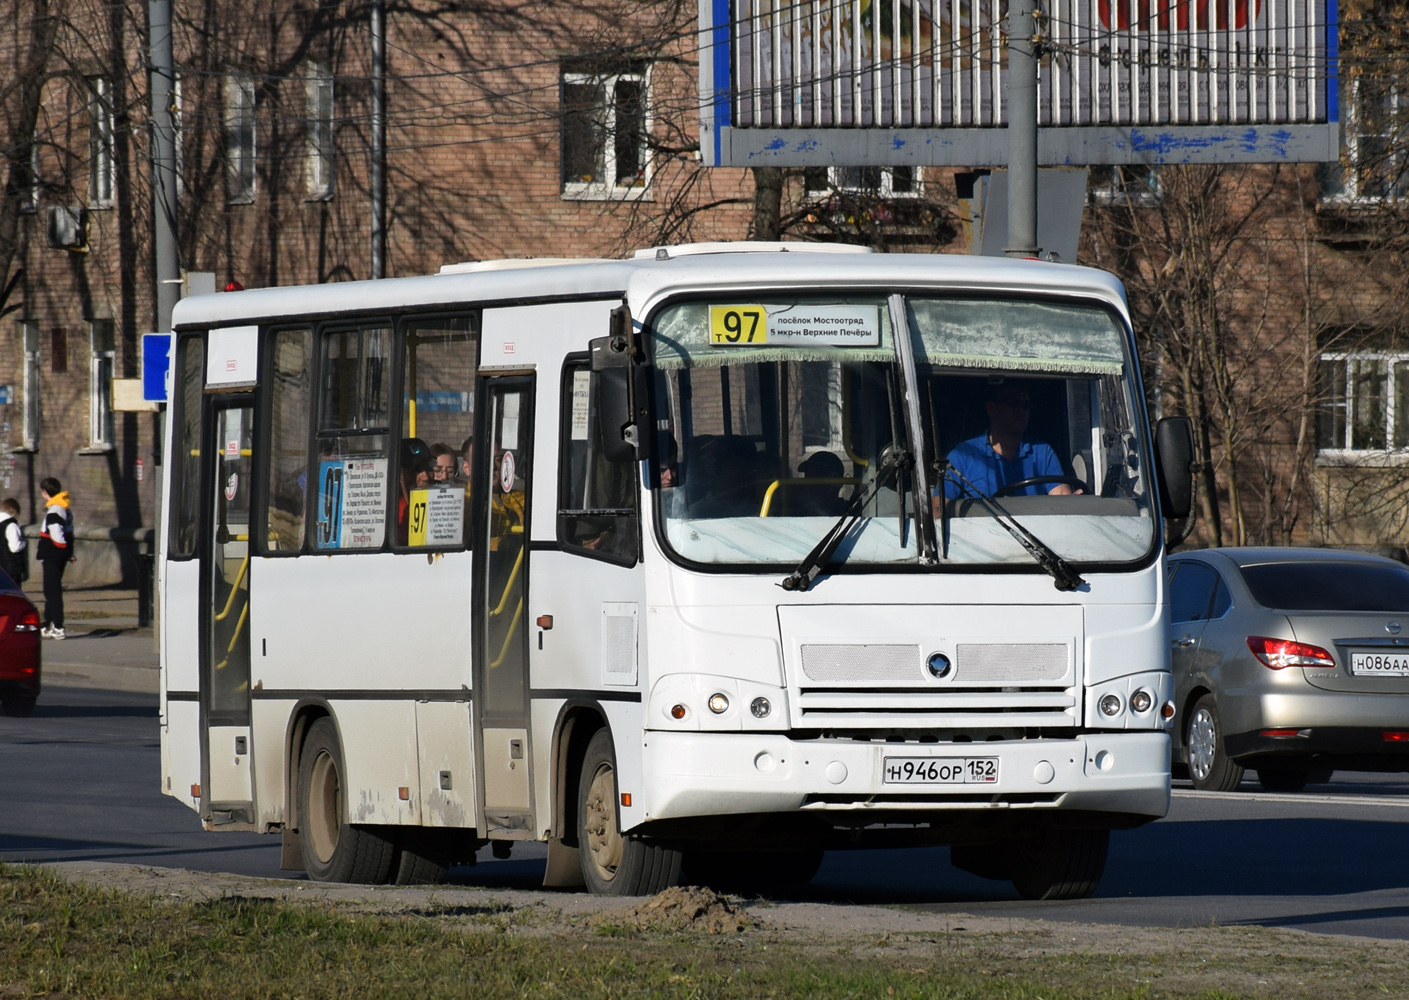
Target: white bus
(675,563)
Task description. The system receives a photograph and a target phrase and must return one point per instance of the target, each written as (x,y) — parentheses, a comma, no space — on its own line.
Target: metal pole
(378,173)
(163,86)
(1022,131)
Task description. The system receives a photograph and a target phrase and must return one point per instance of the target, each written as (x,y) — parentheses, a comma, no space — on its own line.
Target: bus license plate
(941,770)
(1380,664)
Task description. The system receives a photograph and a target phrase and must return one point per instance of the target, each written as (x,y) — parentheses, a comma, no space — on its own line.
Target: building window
(239,139)
(605,130)
(866,182)
(29,331)
(1363,402)
(1135,186)
(101,172)
(319,168)
(1376,167)
(100,385)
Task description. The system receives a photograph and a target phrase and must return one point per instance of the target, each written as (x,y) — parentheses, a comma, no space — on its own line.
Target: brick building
(568,129)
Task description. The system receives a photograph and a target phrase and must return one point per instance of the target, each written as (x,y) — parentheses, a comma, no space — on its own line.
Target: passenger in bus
(727,472)
(822,499)
(442,462)
(415,474)
(1004,453)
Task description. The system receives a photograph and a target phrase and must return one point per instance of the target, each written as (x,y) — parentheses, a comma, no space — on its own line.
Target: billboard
(859,82)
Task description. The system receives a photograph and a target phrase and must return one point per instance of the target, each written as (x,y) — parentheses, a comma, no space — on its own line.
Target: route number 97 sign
(795,325)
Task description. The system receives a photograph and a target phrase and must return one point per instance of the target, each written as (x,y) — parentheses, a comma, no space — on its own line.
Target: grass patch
(61,940)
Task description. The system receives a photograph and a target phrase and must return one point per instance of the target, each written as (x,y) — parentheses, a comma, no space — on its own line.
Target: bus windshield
(773,412)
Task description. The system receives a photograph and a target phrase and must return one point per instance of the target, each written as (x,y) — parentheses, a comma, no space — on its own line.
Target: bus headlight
(760,707)
(718,703)
(1141,701)
(1110,705)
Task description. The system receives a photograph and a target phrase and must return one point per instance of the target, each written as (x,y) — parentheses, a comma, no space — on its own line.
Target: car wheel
(1282,779)
(334,850)
(615,863)
(1058,863)
(20,706)
(751,872)
(1209,767)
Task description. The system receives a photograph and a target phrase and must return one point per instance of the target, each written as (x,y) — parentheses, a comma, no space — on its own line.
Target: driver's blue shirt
(977,462)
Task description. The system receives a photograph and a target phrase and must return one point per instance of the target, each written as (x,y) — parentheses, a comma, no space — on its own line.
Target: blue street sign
(7,394)
(156,361)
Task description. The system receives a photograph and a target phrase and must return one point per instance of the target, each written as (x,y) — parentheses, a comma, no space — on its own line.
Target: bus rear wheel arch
(332,849)
(615,863)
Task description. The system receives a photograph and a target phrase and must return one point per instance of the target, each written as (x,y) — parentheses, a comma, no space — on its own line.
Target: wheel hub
(1202,743)
(603,838)
(324,801)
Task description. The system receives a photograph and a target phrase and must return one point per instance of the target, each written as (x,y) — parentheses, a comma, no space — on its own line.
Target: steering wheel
(1010,488)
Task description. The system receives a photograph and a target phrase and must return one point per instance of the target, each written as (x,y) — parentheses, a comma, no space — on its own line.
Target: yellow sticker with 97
(729,325)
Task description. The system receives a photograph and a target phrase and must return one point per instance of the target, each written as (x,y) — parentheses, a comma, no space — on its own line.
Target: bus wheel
(1058,863)
(615,863)
(334,850)
(750,872)
(422,856)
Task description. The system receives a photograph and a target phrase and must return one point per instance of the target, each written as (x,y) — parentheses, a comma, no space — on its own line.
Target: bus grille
(992,686)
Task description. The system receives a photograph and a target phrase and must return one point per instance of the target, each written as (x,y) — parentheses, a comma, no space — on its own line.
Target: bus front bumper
(717,774)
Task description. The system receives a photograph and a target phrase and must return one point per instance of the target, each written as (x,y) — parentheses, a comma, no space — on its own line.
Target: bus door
(503,476)
(225,628)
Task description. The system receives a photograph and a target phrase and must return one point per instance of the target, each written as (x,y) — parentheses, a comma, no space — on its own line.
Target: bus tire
(334,850)
(422,856)
(615,863)
(1209,766)
(751,872)
(1059,863)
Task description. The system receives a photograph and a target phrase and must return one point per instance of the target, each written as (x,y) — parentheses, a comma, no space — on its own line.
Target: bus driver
(1004,453)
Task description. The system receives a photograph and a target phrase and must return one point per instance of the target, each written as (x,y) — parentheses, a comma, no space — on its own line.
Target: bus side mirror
(1174,461)
(620,390)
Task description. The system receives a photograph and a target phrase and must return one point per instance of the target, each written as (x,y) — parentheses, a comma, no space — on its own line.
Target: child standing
(55,552)
(14,550)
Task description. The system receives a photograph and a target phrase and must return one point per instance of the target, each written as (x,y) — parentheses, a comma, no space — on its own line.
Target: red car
(19,650)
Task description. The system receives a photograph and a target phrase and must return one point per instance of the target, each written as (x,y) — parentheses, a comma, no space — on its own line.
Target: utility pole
(163,86)
(1022,130)
(378,171)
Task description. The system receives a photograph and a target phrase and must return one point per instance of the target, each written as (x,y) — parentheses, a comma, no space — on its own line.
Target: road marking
(1299,798)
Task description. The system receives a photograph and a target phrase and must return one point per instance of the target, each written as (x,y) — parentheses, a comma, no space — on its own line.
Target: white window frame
(1350,192)
(836,181)
(241,140)
(1396,367)
(609,190)
(319,94)
(29,434)
(101,357)
(1126,189)
(102,170)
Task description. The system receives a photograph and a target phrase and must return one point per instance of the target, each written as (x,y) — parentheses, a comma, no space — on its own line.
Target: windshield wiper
(1066,578)
(815,561)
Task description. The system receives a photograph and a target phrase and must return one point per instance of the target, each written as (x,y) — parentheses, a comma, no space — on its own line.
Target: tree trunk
(767,203)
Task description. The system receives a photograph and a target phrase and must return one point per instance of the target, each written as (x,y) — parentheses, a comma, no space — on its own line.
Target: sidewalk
(104,648)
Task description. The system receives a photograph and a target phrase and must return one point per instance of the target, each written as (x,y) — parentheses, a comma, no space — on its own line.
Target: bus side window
(291,402)
(438,410)
(597,499)
(350,474)
(189,379)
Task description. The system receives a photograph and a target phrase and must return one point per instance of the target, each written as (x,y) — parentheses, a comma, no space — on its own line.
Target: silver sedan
(1294,662)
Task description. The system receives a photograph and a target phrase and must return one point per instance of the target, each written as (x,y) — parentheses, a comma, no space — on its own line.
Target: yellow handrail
(513,627)
(513,574)
(235,587)
(794,481)
(234,638)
